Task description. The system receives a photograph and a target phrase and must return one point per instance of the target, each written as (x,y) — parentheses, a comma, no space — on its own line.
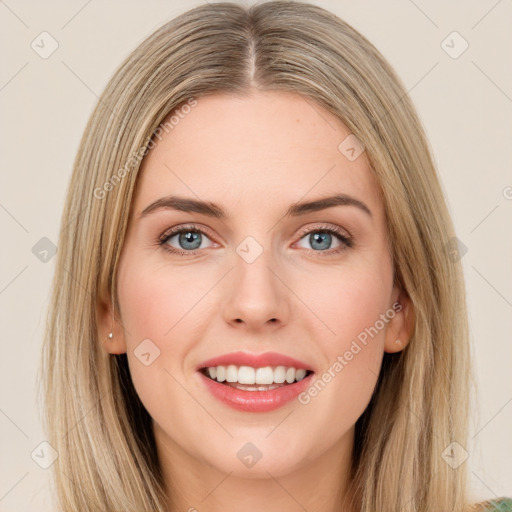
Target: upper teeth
(249,375)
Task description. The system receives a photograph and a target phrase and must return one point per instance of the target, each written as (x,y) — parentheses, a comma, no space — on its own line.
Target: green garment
(499,505)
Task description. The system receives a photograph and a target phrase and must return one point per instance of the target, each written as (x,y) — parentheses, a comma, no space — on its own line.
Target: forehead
(264,149)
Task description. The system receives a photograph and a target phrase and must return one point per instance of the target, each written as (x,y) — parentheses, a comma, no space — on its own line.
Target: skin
(255,156)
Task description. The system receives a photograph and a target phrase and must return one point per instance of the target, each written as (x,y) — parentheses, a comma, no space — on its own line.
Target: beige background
(465,104)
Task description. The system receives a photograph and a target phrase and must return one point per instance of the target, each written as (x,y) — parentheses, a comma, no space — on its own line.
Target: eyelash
(345,240)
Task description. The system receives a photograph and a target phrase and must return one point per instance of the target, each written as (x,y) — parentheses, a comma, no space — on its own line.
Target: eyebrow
(185,204)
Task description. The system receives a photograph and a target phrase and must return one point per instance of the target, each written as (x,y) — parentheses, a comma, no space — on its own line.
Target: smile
(233,374)
(251,389)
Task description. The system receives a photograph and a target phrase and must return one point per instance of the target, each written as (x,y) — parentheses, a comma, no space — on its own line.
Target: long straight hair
(93,416)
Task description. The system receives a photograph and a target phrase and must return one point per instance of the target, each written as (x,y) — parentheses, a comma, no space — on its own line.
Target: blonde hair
(93,417)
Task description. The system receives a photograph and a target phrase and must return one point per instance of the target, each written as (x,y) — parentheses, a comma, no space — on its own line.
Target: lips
(254,401)
(255,397)
(255,360)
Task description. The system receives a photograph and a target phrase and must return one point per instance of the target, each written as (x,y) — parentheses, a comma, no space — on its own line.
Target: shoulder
(495,505)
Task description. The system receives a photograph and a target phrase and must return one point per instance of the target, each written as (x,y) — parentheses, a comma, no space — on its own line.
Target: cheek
(163,312)
(156,301)
(349,304)
(151,309)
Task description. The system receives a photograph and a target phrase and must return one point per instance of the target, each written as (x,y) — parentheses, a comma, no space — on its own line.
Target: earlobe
(113,345)
(110,331)
(400,328)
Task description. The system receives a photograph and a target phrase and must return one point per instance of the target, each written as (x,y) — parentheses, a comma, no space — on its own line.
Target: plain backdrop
(463,96)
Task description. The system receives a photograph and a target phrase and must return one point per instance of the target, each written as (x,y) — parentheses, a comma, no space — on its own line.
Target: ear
(401,326)
(106,324)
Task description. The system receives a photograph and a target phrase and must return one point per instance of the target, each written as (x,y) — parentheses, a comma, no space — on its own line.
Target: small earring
(111,334)
(398,342)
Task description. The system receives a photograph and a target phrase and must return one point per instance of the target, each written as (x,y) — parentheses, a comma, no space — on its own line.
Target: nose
(256,298)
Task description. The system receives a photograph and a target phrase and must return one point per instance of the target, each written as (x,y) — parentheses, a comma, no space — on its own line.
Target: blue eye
(322,240)
(189,240)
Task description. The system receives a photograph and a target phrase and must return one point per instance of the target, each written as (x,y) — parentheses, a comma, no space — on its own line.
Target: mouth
(247,378)
(255,382)
(255,390)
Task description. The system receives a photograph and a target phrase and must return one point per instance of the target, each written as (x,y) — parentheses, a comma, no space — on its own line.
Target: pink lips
(255,401)
(255,360)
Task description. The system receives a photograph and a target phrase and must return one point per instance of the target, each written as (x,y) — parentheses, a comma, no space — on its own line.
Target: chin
(258,460)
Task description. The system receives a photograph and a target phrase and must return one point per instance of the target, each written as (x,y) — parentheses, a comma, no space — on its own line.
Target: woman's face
(255,280)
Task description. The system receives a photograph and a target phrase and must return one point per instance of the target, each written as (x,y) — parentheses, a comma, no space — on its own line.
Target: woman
(254,304)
